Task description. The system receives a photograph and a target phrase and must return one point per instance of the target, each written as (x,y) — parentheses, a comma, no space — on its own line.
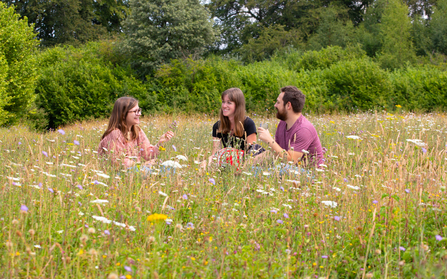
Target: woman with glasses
(124,140)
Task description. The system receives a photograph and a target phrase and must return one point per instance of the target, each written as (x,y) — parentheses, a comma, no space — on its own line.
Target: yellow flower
(398,106)
(156,217)
(128,276)
(161,148)
(192,258)
(80,252)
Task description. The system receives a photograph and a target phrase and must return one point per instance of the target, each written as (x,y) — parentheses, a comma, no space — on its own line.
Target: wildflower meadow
(377,210)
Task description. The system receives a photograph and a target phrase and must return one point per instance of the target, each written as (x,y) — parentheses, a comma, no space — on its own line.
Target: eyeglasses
(137,111)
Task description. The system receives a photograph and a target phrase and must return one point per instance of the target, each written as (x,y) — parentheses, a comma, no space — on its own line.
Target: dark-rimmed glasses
(137,111)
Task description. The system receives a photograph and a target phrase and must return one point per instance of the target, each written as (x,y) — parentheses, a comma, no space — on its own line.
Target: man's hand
(264,135)
(165,137)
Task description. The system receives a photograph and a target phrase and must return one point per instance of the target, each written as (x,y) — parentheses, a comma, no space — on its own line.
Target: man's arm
(289,155)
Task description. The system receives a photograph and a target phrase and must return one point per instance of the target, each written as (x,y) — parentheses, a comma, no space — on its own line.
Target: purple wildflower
(76,142)
(337,218)
(424,150)
(44,153)
(96,182)
(24,208)
(279,221)
(438,237)
(62,132)
(375,202)
(175,148)
(185,197)
(20,143)
(79,186)
(324,257)
(190,225)
(273,211)
(286,215)
(212,181)
(407,190)
(128,268)
(106,232)
(51,190)
(402,248)
(282,188)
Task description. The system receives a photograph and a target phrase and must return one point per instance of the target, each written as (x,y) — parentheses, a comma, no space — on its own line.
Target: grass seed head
(84,238)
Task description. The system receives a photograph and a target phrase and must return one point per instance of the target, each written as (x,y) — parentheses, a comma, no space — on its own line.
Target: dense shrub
(420,89)
(196,85)
(18,72)
(312,60)
(76,84)
(356,85)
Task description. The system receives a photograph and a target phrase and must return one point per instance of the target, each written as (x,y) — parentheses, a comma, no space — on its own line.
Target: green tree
(335,29)
(17,66)
(438,27)
(368,32)
(243,20)
(395,29)
(421,36)
(271,40)
(161,30)
(71,21)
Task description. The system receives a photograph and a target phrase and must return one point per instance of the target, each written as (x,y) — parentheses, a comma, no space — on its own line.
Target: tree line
(168,52)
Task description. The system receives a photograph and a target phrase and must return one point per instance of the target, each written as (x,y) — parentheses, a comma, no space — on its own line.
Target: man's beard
(281,115)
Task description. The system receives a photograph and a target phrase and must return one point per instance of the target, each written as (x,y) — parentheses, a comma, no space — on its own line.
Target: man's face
(281,112)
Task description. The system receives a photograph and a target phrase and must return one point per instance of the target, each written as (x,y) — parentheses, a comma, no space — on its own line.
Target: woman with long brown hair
(234,133)
(124,140)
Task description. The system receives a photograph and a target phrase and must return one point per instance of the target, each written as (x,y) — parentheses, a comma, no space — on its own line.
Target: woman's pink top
(129,152)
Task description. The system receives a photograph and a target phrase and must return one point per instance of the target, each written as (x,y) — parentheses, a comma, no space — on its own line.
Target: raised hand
(166,137)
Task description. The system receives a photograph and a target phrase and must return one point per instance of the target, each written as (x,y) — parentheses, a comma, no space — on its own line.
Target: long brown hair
(235,95)
(118,118)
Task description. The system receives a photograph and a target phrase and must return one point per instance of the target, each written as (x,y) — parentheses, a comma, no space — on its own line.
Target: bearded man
(296,138)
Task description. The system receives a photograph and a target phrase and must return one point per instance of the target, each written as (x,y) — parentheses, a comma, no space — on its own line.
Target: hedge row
(77,84)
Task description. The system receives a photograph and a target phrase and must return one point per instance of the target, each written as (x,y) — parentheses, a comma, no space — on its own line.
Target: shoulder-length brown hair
(118,118)
(235,95)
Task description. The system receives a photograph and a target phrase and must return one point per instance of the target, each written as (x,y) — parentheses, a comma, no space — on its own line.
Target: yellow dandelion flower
(156,217)
(398,106)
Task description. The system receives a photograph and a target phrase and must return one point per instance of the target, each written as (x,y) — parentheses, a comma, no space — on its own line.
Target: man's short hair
(295,97)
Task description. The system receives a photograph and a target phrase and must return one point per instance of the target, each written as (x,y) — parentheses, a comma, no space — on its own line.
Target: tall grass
(377,211)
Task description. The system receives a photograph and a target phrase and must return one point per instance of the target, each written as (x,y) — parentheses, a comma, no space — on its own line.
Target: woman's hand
(166,137)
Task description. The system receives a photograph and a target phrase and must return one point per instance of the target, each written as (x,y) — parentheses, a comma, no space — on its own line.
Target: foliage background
(345,56)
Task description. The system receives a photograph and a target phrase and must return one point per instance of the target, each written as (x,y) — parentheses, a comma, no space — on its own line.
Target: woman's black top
(234,141)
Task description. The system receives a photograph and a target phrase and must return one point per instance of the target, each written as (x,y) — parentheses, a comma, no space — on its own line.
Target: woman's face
(133,116)
(228,107)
